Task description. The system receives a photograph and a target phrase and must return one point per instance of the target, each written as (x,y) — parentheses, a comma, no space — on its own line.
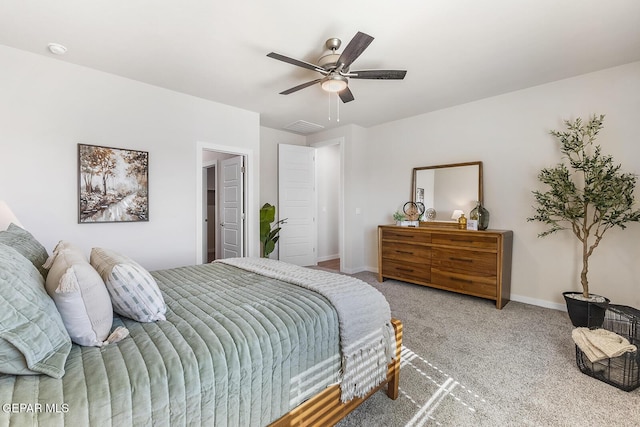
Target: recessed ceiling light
(57,48)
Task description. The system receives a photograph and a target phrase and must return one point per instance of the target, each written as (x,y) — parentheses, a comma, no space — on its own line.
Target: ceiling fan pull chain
(337,108)
(329,97)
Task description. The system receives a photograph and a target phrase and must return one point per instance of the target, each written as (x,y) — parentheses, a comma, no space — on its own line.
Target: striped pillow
(134,293)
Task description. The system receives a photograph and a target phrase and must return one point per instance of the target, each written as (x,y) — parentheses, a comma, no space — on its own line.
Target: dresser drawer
(473,262)
(472,285)
(410,272)
(409,235)
(406,252)
(467,240)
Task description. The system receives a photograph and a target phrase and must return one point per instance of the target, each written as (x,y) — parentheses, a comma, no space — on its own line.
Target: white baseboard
(360,270)
(538,302)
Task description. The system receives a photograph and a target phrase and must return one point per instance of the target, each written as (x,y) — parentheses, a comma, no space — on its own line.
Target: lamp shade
(7,217)
(334,83)
(457,214)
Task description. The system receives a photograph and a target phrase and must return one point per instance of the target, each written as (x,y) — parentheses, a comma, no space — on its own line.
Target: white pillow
(134,293)
(80,295)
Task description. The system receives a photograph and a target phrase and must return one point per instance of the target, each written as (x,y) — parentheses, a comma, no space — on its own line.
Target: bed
(242,342)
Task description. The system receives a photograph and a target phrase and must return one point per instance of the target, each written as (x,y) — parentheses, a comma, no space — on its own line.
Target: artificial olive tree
(587,193)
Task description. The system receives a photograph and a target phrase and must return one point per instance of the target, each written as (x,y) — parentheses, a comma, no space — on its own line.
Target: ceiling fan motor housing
(329,61)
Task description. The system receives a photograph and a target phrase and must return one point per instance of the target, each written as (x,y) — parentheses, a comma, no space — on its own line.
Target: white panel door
(232,207)
(297,203)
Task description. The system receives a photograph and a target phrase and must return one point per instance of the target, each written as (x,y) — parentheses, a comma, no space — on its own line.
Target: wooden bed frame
(326,409)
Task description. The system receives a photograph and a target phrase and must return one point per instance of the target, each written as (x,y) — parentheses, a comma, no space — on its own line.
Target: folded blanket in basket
(600,344)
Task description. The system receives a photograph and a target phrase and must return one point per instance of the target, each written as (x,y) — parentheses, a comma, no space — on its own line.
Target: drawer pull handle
(461,259)
(405,252)
(408,270)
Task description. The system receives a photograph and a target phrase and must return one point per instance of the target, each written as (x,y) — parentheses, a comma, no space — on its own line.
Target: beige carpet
(468,364)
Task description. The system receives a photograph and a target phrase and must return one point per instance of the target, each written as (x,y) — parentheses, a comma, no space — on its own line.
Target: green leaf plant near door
(269,231)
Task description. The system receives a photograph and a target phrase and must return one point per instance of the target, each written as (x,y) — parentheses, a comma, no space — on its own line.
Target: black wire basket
(622,372)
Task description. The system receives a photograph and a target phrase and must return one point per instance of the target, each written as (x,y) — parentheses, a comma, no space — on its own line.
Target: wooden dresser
(465,261)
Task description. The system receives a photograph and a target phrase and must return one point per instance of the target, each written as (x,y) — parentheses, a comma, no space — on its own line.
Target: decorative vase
(462,222)
(480,214)
(584,313)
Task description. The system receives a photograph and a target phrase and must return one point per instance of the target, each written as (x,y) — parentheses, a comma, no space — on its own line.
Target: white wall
(327,184)
(48,106)
(510,135)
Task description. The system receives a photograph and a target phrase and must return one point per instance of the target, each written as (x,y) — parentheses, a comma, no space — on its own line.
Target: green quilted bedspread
(237,349)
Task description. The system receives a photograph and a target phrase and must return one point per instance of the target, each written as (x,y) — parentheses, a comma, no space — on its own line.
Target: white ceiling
(455,51)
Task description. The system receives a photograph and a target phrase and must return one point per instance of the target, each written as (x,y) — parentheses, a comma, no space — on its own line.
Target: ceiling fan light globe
(334,83)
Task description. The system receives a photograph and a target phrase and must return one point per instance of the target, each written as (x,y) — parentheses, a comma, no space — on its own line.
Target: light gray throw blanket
(367,340)
(599,344)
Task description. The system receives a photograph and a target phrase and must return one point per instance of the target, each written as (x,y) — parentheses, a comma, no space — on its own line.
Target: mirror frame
(451,165)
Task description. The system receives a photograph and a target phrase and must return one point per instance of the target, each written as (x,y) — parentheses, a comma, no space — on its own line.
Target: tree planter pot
(585,313)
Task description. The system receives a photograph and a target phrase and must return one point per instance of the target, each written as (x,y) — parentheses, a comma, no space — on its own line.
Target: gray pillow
(27,245)
(33,339)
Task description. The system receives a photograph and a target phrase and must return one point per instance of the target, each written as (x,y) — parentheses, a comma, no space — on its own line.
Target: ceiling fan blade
(302,86)
(356,46)
(377,74)
(297,62)
(346,95)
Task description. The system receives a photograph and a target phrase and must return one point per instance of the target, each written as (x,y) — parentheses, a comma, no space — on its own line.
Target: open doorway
(330,175)
(210,183)
(222,199)
(310,197)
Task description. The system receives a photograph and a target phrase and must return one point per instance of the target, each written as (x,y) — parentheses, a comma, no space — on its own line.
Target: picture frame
(113,184)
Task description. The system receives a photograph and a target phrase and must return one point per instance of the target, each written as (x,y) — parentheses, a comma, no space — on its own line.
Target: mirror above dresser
(444,189)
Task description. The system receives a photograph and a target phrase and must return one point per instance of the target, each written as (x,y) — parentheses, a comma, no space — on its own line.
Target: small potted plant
(589,195)
(269,234)
(398,217)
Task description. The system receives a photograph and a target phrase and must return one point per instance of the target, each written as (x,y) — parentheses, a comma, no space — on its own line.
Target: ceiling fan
(335,67)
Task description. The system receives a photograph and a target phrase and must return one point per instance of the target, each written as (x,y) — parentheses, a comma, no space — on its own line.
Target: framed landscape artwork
(113,184)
